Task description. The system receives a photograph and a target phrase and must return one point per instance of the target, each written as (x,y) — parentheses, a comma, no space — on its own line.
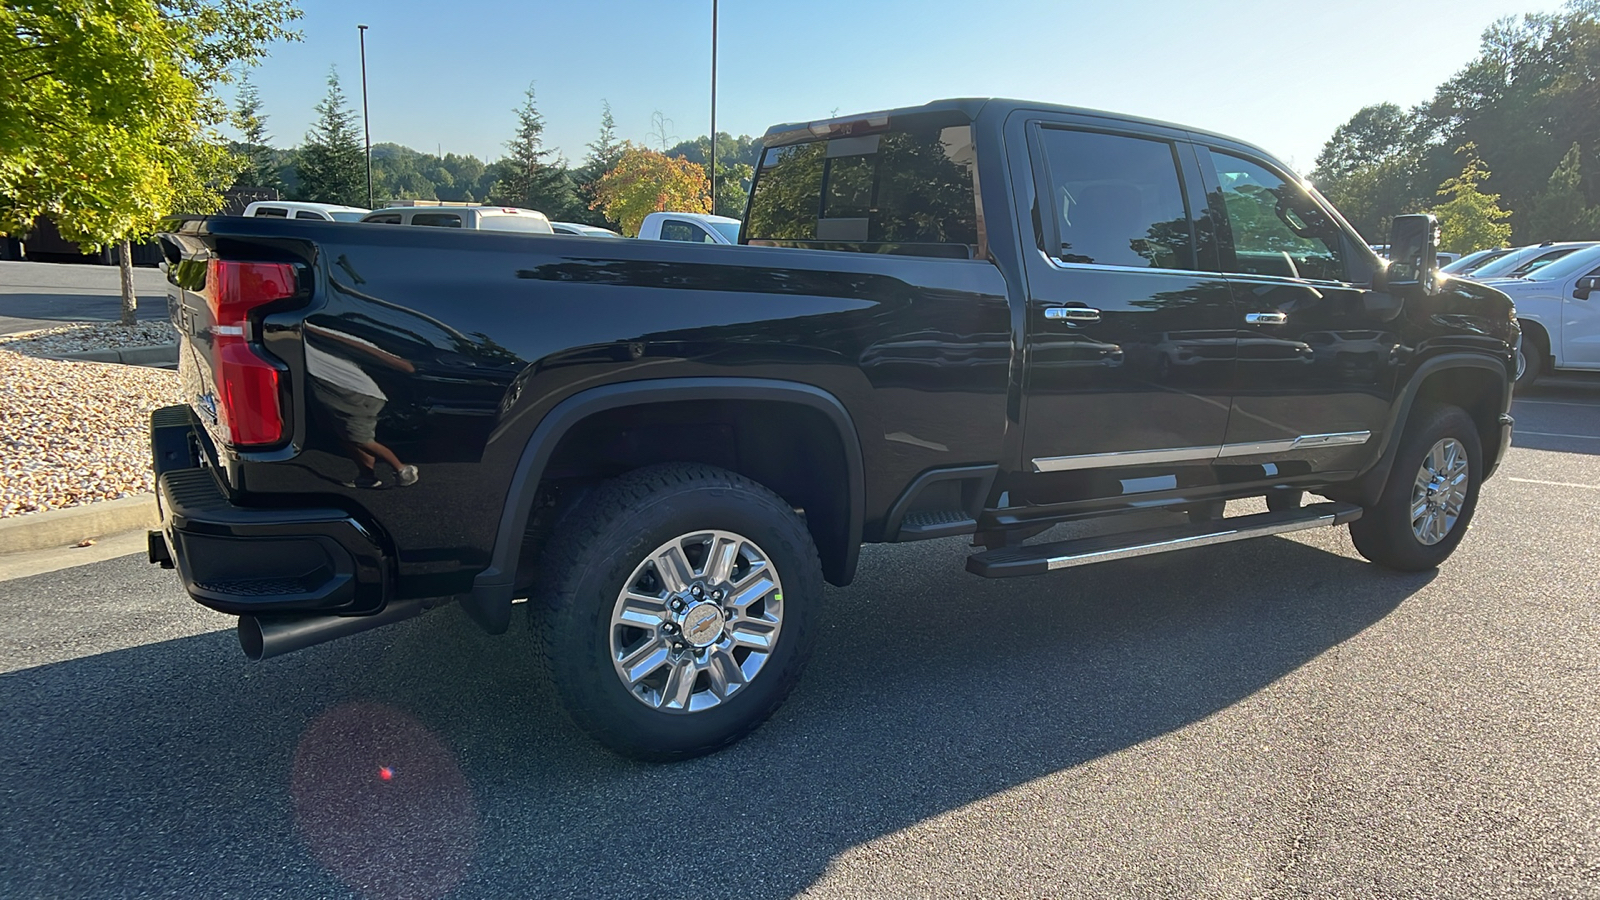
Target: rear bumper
(249,560)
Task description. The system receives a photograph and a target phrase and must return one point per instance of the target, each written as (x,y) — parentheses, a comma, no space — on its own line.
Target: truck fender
(489,603)
(1366,489)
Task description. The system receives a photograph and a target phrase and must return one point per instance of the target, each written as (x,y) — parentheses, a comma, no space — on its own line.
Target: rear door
(1130,343)
(1317,366)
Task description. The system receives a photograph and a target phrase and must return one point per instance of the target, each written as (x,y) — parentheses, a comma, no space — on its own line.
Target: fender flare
(489,603)
(1369,486)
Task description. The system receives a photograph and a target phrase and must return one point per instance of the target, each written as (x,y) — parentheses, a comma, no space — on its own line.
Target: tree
(604,151)
(531,179)
(108,113)
(332,165)
(1371,136)
(644,181)
(261,169)
(1559,212)
(1470,220)
(661,129)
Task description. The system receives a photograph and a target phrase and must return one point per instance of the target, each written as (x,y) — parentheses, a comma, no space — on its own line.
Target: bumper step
(1037,559)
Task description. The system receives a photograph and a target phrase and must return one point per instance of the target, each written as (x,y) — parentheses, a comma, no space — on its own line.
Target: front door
(1317,364)
(1580,326)
(1130,345)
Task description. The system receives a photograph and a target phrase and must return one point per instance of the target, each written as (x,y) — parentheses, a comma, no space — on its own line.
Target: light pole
(713,106)
(366,123)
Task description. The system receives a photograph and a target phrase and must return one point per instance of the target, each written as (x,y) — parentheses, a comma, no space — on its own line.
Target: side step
(1037,559)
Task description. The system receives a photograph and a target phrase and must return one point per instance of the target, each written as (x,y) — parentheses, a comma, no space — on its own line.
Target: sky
(447,76)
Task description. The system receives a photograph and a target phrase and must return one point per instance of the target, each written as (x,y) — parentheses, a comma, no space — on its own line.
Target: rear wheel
(1430,497)
(677,606)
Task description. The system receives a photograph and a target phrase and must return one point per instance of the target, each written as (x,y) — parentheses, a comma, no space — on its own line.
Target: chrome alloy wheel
(696,621)
(1439,491)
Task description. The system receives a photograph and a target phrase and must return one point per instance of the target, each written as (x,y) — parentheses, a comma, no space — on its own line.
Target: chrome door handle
(1267,318)
(1073,313)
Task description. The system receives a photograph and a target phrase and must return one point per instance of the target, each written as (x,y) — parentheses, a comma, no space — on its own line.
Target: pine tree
(332,165)
(604,152)
(261,170)
(1471,219)
(1559,212)
(532,180)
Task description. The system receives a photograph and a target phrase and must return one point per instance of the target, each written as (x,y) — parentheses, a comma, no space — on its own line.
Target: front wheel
(677,606)
(1430,496)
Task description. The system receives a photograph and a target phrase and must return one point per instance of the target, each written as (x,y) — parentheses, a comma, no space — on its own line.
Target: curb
(67,527)
(156,355)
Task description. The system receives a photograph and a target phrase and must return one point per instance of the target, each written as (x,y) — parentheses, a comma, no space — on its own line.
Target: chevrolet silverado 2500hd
(974,317)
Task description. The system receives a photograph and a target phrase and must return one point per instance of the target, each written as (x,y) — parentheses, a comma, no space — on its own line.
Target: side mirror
(1413,251)
(1586,286)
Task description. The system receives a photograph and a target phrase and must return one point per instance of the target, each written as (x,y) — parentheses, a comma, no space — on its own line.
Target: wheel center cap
(702,624)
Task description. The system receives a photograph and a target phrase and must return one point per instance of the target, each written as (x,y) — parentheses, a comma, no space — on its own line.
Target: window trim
(1227,250)
(1048,229)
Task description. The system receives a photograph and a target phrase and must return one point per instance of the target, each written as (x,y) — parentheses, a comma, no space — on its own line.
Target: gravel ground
(74,433)
(88,336)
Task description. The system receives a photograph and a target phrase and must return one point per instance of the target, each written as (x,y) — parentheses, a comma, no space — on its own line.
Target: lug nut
(677,606)
(717,595)
(697,590)
(670,628)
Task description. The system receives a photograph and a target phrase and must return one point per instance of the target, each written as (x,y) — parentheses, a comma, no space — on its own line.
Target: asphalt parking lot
(1269,719)
(39,295)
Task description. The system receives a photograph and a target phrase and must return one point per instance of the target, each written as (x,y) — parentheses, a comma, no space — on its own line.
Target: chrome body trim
(1189,454)
(1220,536)
(1122,458)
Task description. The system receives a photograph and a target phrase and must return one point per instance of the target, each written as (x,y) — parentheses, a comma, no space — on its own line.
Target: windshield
(341,216)
(1576,262)
(1502,267)
(1472,261)
(729,230)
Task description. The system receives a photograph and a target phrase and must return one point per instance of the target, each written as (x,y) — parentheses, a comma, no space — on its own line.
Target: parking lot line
(1556,434)
(1559,403)
(1591,487)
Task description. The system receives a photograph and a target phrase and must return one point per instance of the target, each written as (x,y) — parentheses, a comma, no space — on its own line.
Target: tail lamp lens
(249,383)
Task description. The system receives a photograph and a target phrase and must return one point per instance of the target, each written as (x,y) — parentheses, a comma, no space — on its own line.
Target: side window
(307,214)
(675,230)
(271,212)
(1277,228)
(385,219)
(1118,200)
(437,220)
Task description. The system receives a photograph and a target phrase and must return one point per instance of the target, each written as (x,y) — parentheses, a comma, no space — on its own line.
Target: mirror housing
(1413,251)
(1586,286)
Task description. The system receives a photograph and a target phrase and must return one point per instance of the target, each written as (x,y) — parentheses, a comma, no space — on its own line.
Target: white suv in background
(294,209)
(479,218)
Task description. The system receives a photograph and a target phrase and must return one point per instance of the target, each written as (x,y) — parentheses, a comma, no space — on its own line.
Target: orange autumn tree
(644,181)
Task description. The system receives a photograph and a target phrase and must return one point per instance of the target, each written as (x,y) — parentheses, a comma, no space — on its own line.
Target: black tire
(1535,355)
(1384,532)
(599,546)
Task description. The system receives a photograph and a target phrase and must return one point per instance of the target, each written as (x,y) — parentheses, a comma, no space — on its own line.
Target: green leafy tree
(108,111)
(261,166)
(1470,219)
(531,178)
(1559,212)
(644,181)
(332,165)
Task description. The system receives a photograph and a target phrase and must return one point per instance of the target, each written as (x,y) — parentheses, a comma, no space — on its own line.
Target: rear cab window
(437,220)
(307,214)
(679,230)
(908,191)
(271,212)
(384,219)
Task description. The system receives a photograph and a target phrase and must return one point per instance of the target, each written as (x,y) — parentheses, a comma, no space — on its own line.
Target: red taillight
(249,406)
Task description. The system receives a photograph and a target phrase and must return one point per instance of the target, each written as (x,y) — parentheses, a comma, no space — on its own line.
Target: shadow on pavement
(178,768)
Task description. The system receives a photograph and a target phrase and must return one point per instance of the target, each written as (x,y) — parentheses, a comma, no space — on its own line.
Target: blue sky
(1279,74)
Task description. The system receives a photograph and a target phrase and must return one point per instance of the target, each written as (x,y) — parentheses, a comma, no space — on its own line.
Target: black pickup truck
(974,317)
